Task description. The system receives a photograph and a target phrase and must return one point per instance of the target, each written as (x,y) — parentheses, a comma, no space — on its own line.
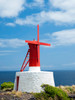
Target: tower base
(29,81)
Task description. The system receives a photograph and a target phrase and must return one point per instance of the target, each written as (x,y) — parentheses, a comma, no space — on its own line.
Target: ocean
(60,77)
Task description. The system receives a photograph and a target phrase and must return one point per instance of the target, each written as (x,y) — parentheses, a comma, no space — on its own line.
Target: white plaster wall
(31,81)
(34,69)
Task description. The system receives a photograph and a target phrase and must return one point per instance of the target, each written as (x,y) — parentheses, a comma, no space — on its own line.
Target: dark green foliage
(51,92)
(7,85)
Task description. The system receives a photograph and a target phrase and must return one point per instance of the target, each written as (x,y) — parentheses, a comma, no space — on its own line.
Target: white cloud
(34,19)
(64,37)
(63,4)
(4,54)
(11,8)
(69,64)
(10,24)
(4,51)
(12,43)
(64,15)
(37,3)
(8,68)
(47,66)
(66,12)
(58,17)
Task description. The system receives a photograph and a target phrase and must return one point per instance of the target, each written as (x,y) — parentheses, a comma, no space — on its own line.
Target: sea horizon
(61,77)
(41,70)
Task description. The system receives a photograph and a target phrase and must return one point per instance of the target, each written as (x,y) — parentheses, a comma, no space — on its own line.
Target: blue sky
(18,22)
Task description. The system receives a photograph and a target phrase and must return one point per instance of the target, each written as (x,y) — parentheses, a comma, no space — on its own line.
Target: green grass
(51,93)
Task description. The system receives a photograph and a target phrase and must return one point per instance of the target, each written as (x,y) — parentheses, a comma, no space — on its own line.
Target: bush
(68,89)
(7,86)
(51,93)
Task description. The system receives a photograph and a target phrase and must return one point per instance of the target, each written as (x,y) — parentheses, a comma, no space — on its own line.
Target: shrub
(68,89)
(7,86)
(51,93)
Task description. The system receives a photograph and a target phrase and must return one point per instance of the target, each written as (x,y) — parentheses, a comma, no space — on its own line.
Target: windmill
(33,54)
(31,81)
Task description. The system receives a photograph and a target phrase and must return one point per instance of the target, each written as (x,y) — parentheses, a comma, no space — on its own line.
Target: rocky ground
(15,96)
(72,96)
(70,90)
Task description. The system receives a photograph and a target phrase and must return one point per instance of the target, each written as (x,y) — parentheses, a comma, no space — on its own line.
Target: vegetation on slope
(7,86)
(51,93)
(68,89)
(48,93)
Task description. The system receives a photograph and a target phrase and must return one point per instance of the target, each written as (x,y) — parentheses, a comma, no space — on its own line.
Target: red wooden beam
(24,65)
(38,33)
(46,44)
(31,42)
(36,42)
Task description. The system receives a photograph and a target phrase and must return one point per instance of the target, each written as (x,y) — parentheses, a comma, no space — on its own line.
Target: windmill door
(17,83)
